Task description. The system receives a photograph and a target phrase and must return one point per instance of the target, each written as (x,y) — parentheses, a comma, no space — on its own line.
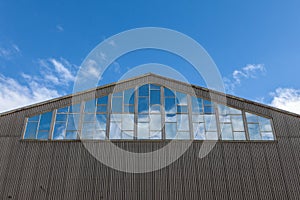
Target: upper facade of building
(256,155)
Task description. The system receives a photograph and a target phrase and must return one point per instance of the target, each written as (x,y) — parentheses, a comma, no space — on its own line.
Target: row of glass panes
(149,120)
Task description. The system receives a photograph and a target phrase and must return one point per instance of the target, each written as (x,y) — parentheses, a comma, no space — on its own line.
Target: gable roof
(153,78)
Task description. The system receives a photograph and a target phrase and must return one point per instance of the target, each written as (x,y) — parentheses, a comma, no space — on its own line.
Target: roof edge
(158,76)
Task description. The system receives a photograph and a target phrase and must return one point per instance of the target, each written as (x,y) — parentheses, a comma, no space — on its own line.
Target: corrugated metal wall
(232,170)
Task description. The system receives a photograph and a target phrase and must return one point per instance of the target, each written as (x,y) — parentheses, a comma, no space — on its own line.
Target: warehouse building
(45,147)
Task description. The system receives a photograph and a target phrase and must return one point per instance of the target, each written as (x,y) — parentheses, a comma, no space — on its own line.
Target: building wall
(232,170)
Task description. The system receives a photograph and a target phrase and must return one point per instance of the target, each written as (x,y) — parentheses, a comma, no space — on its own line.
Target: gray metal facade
(232,170)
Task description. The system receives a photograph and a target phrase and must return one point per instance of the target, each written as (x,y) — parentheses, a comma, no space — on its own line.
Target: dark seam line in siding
(35,177)
(253,172)
(283,174)
(269,173)
(294,158)
(225,171)
(21,171)
(50,173)
(239,172)
(13,149)
(211,177)
(65,171)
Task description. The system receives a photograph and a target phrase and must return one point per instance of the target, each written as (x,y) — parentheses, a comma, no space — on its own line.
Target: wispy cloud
(247,72)
(9,51)
(54,79)
(59,28)
(57,71)
(13,94)
(286,99)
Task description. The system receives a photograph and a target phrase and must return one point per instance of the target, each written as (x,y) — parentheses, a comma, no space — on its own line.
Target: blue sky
(255,44)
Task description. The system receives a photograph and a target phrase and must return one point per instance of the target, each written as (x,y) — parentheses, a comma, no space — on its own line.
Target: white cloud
(247,72)
(54,80)
(57,71)
(286,99)
(14,95)
(62,70)
(91,69)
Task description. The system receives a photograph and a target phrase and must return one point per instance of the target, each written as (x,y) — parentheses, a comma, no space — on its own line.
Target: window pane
(237,123)
(154,87)
(251,118)
(87,134)
(31,129)
(183,135)
(168,92)
(101,119)
(197,105)
(182,109)
(143,131)
(210,123)
(265,124)
(89,117)
(182,123)
(198,118)
(211,135)
(102,109)
(170,130)
(115,131)
(155,109)
(129,96)
(143,118)
(155,97)
(75,108)
(143,105)
(73,122)
(155,122)
(61,117)
(99,135)
(235,111)
(42,135)
(102,100)
(118,94)
(34,118)
(170,105)
(45,121)
(59,131)
(90,106)
(71,135)
(181,98)
(127,135)
(144,90)
(209,110)
(63,110)
(227,133)
(116,106)
(239,136)
(128,109)
(225,118)
(127,122)
(254,132)
(116,117)
(267,136)
(199,131)
(170,118)
(154,135)
(206,102)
